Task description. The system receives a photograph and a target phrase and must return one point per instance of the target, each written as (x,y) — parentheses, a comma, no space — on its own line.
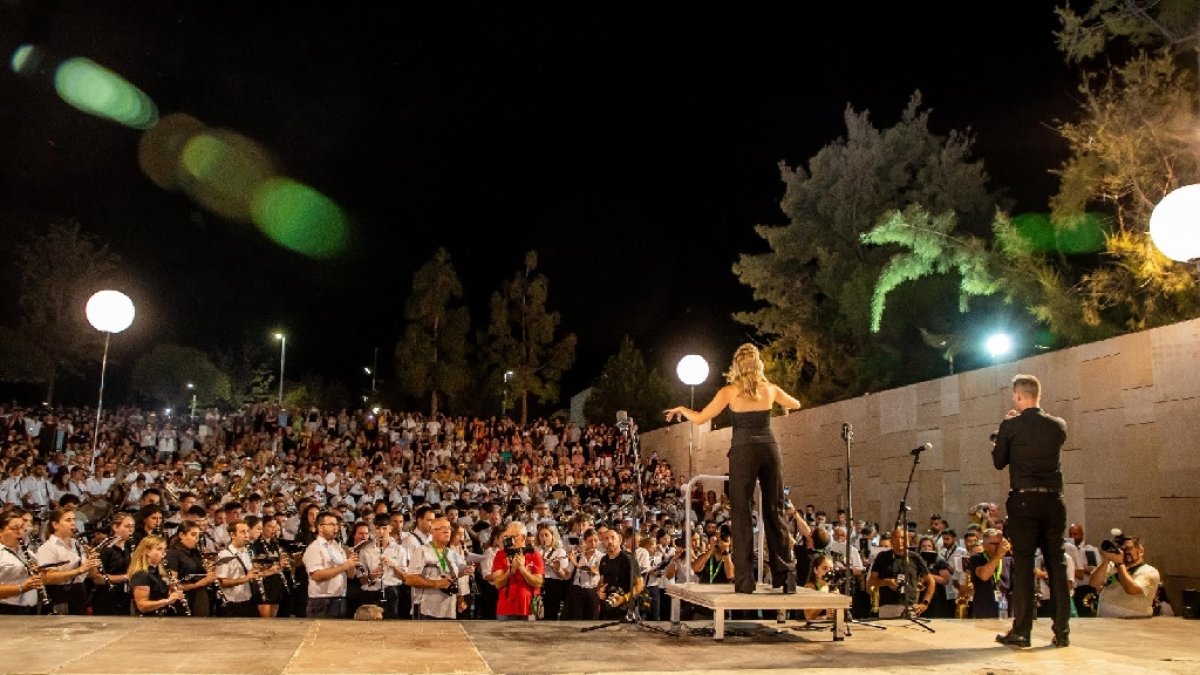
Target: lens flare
(96,90)
(1075,235)
(161,146)
(25,59)
(222,170)
(300,218)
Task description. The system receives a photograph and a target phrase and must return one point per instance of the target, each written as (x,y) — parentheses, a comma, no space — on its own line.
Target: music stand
(906,564)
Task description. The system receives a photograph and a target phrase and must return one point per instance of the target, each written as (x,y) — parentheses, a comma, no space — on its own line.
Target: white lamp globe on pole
(692,370)
(282,361)
(109,312)
(1175,224)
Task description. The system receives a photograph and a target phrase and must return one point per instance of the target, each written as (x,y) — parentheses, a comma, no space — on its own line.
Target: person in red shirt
(517,573)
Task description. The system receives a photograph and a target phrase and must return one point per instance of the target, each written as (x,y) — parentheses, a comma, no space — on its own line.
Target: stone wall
(1131,461)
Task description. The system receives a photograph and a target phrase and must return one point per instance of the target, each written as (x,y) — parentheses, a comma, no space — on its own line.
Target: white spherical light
(692,369)
(1175,224)
(110,311)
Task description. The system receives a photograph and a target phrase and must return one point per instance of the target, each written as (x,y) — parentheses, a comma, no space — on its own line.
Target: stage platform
(721,597)
(301,646)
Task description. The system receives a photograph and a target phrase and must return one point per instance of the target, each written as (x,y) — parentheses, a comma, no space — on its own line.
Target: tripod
(633,616)
(848,436)
(904,575)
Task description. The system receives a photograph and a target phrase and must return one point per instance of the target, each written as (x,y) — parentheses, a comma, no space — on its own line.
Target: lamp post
(1175,225)
(504,400)
(192,387)
(692,370)
(282,360)
(372,370)
(109,312)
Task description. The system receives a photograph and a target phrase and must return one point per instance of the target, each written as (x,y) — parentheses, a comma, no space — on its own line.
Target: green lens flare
(21,58)
(223,170)
(96,90)
(299,218)
(1078,234)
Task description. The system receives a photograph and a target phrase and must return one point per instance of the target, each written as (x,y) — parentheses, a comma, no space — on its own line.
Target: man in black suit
(1029,442)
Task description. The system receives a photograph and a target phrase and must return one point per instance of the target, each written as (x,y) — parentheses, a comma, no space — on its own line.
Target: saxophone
(962,606)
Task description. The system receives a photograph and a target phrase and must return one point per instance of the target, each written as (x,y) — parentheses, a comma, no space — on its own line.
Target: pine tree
(431,358)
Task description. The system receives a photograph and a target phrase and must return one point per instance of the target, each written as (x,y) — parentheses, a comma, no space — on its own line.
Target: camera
(510,547)
(1114,545)
(837,576)
(724,533)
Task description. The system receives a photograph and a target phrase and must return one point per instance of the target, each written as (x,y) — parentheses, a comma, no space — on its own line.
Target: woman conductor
(753,455)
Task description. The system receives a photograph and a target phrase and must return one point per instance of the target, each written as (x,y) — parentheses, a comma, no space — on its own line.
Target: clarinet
(173,584)
(34,570)
(285,562)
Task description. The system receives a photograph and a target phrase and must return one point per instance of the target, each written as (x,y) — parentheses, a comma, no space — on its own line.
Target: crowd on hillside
(263,512)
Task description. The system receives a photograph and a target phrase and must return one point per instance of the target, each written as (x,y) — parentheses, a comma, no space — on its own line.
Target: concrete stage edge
(130,645)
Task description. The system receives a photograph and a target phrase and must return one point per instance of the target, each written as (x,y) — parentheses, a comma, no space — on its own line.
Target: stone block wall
(1131,461)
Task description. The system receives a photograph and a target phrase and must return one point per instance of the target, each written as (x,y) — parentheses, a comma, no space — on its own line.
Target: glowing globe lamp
(110,311)
(1175,224)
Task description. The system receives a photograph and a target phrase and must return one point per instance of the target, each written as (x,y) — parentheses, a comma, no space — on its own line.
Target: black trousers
(1037,520)
(554,595)
(748,464)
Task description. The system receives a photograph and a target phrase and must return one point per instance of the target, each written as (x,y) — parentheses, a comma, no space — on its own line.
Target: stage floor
(128,645)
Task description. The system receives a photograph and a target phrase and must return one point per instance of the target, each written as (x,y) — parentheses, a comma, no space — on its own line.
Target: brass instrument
(962,606)
(172,580)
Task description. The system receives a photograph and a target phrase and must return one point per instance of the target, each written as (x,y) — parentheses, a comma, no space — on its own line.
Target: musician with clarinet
(152,595)
(185,561)
(329,568)
(20,587)
(236,571)
(110,584)
(384,560)
(72,563)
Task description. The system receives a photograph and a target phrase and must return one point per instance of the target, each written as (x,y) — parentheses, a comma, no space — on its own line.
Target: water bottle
(1003,607)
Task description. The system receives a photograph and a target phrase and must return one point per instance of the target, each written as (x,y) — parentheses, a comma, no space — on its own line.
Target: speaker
(1191,603)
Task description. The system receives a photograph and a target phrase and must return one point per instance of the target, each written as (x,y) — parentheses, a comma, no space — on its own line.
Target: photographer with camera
(901,576)
(518,574)
(714,565)
(825,579)
(1127,584)
(1029,442)
(620,579)
(433,575)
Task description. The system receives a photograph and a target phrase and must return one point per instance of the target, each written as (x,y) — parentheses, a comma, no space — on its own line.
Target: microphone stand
(905,564)
(848,436)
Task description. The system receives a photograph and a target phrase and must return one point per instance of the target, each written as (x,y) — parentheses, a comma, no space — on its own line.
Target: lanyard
(443,563)
(713,570)
(998,572)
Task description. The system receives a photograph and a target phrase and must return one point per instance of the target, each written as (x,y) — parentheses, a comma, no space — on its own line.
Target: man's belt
(1038,489)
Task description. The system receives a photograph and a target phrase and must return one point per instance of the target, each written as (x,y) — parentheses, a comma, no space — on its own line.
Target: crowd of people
(261,512)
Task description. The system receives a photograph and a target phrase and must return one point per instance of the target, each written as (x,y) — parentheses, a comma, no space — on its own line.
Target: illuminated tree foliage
(431,358)
(818,281)
(520,338)
(1135,141)
(626,383)
(162,376)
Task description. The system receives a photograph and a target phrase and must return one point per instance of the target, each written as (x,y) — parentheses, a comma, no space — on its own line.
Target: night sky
(635,152)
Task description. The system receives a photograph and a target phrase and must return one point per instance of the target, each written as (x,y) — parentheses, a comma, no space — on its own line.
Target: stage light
(1175,224)
(109,312)
(692,370)
(999,345)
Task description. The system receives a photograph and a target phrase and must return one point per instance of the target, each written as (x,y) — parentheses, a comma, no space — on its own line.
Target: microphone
(918,450)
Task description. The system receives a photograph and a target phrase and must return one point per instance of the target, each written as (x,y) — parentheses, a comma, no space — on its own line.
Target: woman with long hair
(186,561)
(753,457)
(147,579)
(558,571)
(110,583)
(822,565)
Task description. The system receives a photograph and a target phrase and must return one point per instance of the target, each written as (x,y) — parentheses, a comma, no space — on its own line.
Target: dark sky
(634,151)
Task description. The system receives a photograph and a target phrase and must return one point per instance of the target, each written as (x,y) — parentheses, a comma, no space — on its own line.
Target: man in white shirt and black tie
(329,567)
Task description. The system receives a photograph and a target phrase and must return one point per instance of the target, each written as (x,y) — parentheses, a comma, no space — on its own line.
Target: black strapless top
(752,427)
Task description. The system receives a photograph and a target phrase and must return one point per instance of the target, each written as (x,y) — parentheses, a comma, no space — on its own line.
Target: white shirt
(427,564)
(55,550)
(323,554)
(35,490)
(583,576)
(234,569)
(392,556)
(1115,602)
(552,558)
(14,571)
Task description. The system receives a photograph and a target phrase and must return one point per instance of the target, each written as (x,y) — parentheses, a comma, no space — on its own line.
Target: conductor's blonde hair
(747,372)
